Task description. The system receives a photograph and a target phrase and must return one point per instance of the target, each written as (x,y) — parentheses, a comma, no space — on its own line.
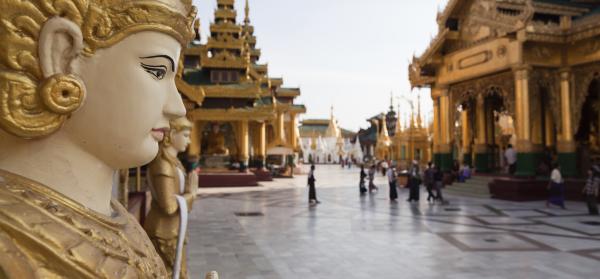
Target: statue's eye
(158,72)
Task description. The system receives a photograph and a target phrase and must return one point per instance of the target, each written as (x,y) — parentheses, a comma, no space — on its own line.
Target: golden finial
(247,10)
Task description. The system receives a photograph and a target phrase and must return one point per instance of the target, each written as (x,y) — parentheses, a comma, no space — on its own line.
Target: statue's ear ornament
(62,94)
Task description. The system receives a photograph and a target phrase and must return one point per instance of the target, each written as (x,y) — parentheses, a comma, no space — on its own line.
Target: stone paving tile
(349,236)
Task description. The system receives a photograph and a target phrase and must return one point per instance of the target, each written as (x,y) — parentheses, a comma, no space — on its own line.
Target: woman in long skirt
(361,183)
(312,191)
(391,175)
(556,188)
(372,186)
(590,191)
(414,181)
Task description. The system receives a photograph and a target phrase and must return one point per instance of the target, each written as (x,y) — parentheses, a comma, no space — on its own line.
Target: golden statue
(172,198)
(87,87)
(216,142)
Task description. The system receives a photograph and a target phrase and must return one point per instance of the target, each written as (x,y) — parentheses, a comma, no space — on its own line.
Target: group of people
(556,189)
(432,178)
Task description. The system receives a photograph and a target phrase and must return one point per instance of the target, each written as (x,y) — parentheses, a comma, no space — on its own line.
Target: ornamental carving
(488,15)
(500,84)
(548,80)
(581,80)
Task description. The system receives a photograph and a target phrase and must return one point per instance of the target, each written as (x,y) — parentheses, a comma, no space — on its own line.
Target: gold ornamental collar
(48,198)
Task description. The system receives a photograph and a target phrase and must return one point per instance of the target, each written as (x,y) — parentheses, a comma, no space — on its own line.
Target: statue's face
(131,96)
(180,139)
(216,128)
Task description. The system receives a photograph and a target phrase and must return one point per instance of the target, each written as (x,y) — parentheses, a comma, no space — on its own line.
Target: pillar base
(526,164)
(482,162)
(468,159)
(445,161)
(437,159)
(568,164)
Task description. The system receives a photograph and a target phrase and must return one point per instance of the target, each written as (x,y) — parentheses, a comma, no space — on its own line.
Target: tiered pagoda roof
(224,73)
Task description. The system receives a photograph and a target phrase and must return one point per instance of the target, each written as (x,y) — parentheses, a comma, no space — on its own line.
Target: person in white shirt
(391,176)
(556,188)
(511,159)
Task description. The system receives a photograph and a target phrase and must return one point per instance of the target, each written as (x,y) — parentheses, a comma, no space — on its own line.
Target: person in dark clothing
(361,183)
(438,178)
(590,191)
(372,186)
(312,191)
(414,181)
(429,182)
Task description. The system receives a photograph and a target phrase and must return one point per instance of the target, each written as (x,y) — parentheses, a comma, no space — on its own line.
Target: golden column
(566,145)
(262,141)
(436,125)
(244,143)
(526,158)
(280,129)
(293,132)
(446,123)
(466,136)
(481,148)
(195,147)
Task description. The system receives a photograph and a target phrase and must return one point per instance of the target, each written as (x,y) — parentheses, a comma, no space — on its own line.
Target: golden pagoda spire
(412,117)
(384,135)
(398,129)
(332,129)
(419,119)
(247,12)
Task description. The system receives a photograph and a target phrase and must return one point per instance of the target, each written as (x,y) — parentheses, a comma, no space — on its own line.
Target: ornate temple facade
(520,72)
(239,112)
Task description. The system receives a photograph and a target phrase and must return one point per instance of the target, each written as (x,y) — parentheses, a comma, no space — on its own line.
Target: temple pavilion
(240,113)
(519,72)
(324,142)
(401,141)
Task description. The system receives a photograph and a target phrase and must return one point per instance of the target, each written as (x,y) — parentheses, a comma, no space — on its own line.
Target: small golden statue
(87,87)
(172,199)
(216,142)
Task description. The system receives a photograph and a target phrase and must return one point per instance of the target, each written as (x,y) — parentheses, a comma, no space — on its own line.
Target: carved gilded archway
(499,84)
(582,79)
(549,80)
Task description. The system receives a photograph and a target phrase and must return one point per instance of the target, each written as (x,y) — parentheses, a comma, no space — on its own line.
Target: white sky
(349,54)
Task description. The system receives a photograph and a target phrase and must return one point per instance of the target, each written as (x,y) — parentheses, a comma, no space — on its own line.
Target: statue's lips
(159,134)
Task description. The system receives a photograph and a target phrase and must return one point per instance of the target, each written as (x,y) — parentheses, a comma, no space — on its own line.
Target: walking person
(556,188)
(312,191)
(372,172)
(384,167)
(510,155)
(590,191)
(414,181)
(391,176)
(361,183)
(438,177)
(429,182)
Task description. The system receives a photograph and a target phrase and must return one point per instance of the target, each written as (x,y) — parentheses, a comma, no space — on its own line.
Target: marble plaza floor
(272,232)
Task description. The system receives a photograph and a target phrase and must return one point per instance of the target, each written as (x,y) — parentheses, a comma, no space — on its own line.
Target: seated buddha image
(216,142)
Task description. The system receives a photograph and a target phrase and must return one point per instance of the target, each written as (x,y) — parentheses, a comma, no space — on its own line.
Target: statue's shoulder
(161,166)
(46,235)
